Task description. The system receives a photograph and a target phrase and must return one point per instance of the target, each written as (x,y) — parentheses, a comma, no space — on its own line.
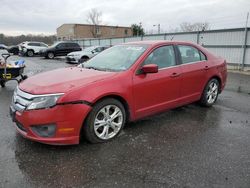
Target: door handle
(206,67)
(175,74)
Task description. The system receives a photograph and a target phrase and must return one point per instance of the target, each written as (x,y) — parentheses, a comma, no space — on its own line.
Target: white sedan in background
(85,54)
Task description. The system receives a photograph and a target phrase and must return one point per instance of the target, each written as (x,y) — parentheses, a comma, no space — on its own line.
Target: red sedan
(124,83)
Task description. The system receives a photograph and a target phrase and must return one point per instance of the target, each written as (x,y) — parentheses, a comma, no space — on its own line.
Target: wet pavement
(191,146)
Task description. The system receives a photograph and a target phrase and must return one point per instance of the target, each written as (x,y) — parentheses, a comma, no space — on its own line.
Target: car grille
(21,100)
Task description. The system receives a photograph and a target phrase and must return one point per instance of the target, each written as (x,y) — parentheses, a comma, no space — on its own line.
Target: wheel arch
(217,78)
(120,99)
(30,49)
(85,56)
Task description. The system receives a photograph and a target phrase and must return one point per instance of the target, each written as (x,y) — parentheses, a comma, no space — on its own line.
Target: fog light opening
(44,130)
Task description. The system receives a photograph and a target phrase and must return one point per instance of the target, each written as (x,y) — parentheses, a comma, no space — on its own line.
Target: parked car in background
(123,83)
(60,49)
(85,54)
(31,48)
(13,49)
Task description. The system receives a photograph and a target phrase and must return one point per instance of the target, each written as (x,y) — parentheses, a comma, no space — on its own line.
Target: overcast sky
(44,16)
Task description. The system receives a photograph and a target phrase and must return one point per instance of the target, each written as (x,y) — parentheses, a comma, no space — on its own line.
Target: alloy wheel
(108,122)
(212,92)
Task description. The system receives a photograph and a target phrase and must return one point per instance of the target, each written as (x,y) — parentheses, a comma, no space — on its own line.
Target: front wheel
(105,121)
(30,53)
(83,59)
(210,93)
(51,55)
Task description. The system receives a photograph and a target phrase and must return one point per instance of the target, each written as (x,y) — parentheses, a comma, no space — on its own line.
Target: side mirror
(150,68)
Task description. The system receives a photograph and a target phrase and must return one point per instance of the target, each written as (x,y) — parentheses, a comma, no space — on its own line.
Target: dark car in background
(60,49)
(13,49)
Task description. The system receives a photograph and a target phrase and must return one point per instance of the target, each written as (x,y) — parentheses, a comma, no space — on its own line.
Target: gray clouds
(44,16)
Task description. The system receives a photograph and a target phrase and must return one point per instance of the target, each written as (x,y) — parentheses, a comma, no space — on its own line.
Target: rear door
(157,91)
(72,47)
(194,72)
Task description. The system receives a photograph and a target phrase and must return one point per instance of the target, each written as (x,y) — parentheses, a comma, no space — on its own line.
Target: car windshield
(117,58)
(55,44)
(89,49)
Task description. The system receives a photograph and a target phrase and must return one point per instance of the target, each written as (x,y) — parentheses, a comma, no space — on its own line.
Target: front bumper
(70,59)
(67,118)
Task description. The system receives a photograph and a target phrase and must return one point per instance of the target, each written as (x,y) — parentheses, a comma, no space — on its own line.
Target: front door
(156,92)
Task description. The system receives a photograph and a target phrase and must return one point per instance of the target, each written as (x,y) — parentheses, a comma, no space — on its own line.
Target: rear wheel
(105,121)
(51,55)
(30,53)
(210,93)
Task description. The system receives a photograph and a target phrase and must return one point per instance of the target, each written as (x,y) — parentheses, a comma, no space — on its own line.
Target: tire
(30,53)
(2,83)
(83,59)
(210,93)
(51,55)
(107,128)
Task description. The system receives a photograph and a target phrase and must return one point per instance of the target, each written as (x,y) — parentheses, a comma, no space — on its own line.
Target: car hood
(62,80)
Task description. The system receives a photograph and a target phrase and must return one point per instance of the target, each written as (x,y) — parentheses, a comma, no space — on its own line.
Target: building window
(113,31)
(126,32)
(97,30)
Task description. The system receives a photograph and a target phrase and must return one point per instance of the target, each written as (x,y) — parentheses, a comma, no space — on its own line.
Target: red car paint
(143,94)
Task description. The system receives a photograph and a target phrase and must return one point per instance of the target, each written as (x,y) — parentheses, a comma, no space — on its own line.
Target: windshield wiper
(90,67)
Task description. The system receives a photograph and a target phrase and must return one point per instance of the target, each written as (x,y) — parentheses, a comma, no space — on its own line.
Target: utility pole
(159,28)
(138,30)
(245,44)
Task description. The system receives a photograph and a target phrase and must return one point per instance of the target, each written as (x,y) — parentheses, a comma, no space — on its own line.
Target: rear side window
(163,57)
(33,44)
(43,45)
(190,54)
(203,57)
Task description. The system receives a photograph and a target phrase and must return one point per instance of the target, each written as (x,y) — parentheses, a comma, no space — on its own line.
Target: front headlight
(43,102)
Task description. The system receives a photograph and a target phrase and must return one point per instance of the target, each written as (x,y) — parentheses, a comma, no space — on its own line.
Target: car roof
(67,42)
(159,42)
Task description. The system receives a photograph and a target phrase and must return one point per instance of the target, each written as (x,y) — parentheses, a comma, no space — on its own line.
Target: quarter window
(162,56)
(190,54)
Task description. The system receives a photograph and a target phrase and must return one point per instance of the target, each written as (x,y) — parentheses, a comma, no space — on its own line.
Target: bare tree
(197,26)
(94,18)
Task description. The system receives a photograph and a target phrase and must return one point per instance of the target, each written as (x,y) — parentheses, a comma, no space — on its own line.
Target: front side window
(163,57)
(190,54)
(62,45)
(117,58)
